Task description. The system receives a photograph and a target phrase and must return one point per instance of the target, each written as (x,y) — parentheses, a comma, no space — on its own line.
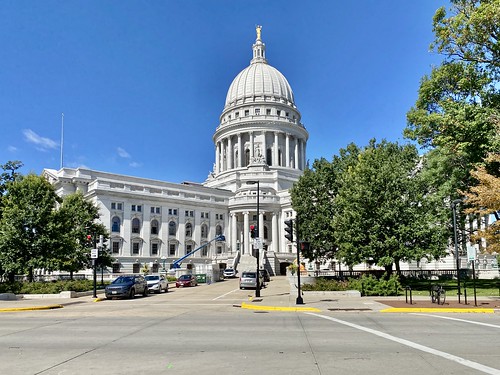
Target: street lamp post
(454,210)
(257,234)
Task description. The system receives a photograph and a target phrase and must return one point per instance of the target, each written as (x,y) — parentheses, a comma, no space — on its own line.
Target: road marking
(461,320)
(448,356)
(222,296)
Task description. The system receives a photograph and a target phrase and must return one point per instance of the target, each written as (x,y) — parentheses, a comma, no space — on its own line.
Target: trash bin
(201,277)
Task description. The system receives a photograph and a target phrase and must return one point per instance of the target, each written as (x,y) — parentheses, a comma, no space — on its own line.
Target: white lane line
(460,320)
(222,296)
(451,357)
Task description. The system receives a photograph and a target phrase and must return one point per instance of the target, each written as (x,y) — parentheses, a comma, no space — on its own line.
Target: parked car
(127,286)
(248,279)
(186,280)
(265,275)
(157,283)
(230,272)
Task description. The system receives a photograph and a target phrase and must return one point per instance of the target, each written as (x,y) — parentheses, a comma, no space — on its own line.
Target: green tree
(313,199)
(8,175)
(385,210)
(28,228)
(457,109)
(78,220)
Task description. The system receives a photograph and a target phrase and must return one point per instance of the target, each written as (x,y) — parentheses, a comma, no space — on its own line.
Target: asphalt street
(208,330)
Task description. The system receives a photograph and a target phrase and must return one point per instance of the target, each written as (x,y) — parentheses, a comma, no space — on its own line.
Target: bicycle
(438,294)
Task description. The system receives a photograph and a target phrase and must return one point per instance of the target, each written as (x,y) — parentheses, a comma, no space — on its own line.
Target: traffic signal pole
(299,300)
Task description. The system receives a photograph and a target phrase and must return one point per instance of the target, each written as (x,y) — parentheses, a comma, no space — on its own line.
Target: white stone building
(260,138)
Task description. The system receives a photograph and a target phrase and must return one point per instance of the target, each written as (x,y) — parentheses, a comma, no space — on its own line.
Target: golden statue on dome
(258,29)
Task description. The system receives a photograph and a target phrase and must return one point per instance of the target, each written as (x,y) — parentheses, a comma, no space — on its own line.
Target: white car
(230,272)
(157,283)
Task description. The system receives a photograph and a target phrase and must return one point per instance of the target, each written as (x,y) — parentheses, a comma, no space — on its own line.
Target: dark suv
(127,286)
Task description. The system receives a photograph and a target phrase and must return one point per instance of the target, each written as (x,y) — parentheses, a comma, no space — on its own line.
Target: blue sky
(142,83)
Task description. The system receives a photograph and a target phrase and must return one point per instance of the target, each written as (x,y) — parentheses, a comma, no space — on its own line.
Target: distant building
(260,138)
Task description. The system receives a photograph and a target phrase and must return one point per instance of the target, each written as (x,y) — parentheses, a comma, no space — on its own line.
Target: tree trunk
(388,270)
(30,274)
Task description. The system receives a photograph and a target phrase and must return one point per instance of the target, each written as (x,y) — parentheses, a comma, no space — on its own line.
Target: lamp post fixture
(454,210)
(257,234)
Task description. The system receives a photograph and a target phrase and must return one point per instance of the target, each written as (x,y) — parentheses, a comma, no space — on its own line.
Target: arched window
(218,230)
(204,231)
(265,233)
(155,227)
(269,156)
(115,224)
(189,230)
(136,225)
(172,228)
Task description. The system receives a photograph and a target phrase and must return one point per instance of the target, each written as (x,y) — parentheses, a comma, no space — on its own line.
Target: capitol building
(260,151)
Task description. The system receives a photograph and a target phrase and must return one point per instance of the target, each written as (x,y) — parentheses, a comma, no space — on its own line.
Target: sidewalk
(280,294)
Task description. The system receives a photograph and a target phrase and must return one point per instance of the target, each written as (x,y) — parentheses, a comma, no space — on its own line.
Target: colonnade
(241,233)
(229,156)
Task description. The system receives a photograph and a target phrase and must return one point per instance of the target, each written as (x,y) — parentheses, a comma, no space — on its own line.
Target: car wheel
(146,292)
(166,289)
(131,294)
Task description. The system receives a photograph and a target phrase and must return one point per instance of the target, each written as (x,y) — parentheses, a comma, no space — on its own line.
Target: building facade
(260,151)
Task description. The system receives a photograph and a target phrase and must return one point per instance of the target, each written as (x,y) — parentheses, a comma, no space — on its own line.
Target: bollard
(406,294)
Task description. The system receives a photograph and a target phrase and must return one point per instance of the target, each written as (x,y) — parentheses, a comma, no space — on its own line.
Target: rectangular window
(189,248)
(257,111)
(116,267)
(136,208)
(189,213)
(136,268)
(237,114)
(172,211)
(278,112)
(116,247)
(268,111)
(204,215)
(135,248)
(287,114)
(247,112)
(219,216)
(155,210)
(117,206)
(154,249)
(171,250)
(204,252)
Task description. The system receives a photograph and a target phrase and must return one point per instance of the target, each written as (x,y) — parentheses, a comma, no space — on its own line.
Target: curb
(50,307)
(436,310)
(248,306)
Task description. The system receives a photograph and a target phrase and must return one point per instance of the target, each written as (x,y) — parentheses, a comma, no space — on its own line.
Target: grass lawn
(484,288)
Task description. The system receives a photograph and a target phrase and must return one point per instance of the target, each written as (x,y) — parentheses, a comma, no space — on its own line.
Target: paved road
(204,330)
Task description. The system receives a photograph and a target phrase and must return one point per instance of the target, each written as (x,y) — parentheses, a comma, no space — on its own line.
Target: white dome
(258,81)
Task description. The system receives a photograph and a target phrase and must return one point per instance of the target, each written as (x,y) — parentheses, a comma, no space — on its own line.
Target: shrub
(47,287)
(323,284)
(368,285)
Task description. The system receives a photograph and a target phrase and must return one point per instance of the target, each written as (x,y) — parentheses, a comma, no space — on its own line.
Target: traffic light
(89,239)
(304,246)
(289,230)
(252,231)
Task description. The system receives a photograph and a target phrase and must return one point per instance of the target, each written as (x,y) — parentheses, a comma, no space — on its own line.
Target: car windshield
(185,277)
(123,279)
(249,274)
(229,270)
(152,277)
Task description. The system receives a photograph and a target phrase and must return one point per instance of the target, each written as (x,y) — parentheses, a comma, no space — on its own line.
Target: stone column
(296,162)
(251,147)
(246,237)
(217,158)
(275,150)
(240,152)
(229,153)
(234,222)
(287,151)
(275,232)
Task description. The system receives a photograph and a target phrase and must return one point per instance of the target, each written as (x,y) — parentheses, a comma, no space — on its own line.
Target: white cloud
(122,153)
(135,164)
(12,149)
(42,143)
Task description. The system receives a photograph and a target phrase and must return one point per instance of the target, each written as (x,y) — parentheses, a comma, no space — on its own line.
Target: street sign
(471,253)
(94,253)
(257,243)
